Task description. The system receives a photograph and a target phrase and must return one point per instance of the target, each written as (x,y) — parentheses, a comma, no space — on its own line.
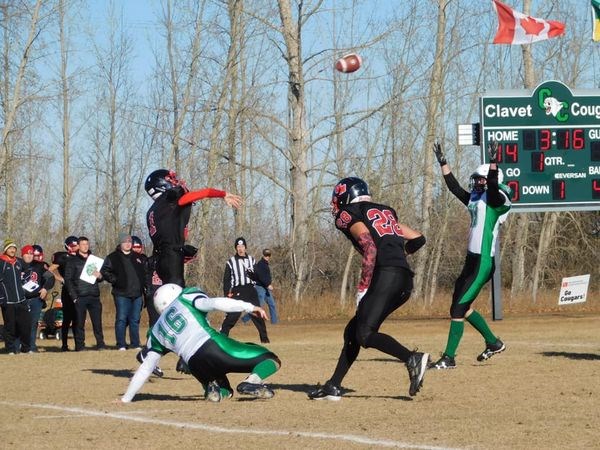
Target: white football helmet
(482,172)
(165,295)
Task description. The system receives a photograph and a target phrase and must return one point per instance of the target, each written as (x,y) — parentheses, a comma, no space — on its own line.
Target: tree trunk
(546,238)
(298,149)
(433,104)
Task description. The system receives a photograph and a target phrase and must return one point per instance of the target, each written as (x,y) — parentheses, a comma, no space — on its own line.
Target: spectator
(15,311)
(238,283)
(151,280)
(209,355)
(125,270)
(59,263)
(37,280)
(86,296)
(264,285)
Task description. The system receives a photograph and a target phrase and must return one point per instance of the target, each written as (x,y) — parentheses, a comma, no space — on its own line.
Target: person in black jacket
(15,311)
(86,296)
(151,281)
(125,270)
(37,280)
(264,284)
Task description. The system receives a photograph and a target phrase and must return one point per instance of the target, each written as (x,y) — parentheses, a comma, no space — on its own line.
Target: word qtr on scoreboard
(548,145)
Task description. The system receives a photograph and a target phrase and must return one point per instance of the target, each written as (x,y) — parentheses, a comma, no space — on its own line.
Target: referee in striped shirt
(238,283)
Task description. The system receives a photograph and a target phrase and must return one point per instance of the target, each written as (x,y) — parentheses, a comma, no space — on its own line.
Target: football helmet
(136,243)
(160,181)
(477,183)
(348,190)
(71,242)
(38,253)
(165,295)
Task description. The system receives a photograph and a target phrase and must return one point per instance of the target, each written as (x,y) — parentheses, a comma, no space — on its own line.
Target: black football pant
(169,265)
(246,293)
(69,317)
(390,288)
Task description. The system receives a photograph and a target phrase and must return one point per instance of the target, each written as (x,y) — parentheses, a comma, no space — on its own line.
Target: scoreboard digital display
(549,145)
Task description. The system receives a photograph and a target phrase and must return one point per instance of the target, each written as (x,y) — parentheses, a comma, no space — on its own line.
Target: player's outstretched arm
(141,375)
(441,158)
(235,201)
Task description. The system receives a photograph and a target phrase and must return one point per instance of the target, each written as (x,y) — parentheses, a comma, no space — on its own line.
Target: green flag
(596,20)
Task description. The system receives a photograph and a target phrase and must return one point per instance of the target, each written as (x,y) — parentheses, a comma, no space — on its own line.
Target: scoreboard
(549,145)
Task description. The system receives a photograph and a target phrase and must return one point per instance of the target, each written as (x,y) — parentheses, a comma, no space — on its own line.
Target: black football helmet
(346,191)
(160,181)
(71,242)
(38,252)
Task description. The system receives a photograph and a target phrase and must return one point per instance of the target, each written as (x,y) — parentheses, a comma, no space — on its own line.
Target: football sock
(454,336)
(479,323)
(264,369)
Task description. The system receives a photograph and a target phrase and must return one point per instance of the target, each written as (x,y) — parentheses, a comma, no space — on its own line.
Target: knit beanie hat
(27,250)
(239,241)
(8,243)
(124,237)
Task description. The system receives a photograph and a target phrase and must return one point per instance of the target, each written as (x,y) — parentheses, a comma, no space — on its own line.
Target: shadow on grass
(306,388)
(125,373)
(167,397)
(571,355)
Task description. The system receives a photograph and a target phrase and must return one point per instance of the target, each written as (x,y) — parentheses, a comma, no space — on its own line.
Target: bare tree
(292,36)
(12,97)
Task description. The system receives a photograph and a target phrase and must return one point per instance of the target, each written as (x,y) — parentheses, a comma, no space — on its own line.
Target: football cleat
(416,366)
(491,350)
(212,392)
(158,372)
(326,392)
(445,362)
(255,390)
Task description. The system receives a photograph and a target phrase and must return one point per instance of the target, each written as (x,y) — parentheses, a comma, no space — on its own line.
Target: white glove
(359,296)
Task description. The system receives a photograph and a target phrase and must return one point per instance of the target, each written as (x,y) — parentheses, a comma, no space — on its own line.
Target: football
(348,63)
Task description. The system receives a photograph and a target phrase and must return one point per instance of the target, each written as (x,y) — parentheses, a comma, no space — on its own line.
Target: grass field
(542,393)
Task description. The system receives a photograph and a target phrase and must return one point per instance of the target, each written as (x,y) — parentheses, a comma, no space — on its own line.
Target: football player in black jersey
(168,217)
(59,262)
(167,221)
(385,282)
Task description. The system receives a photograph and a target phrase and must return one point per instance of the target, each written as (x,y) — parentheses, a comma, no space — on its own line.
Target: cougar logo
(552,106)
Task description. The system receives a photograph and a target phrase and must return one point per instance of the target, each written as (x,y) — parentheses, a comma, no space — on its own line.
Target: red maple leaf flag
(516,28)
